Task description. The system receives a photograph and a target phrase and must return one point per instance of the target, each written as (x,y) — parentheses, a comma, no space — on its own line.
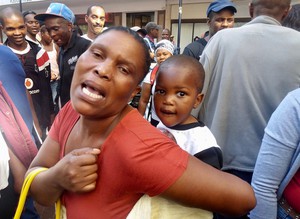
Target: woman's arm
(144,99)
(205,187)
(75,172)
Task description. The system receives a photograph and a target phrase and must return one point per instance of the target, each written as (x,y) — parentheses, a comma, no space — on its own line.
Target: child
(178,90)
(135,158)
(163,50)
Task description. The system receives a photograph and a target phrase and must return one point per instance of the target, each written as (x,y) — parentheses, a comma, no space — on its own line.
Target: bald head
(9,12)
(89,10)
(187,65)
(277,9)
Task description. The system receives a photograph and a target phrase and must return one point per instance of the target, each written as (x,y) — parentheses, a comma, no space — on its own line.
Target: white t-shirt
(85,36)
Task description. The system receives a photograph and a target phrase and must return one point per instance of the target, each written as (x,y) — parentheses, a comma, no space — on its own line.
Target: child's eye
(181,94)
(159,91)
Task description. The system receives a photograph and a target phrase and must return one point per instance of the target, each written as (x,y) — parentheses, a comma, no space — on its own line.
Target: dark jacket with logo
(66,62)
(36,65)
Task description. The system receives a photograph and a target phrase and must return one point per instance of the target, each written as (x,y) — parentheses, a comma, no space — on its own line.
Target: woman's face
(106,76)
(33,26)
(162,55)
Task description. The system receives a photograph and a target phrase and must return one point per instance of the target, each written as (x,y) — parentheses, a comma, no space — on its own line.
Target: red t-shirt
(292,192)
(136,158)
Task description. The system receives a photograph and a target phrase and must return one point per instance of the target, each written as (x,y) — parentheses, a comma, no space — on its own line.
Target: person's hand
(78,170)
(53,76)
(152,55)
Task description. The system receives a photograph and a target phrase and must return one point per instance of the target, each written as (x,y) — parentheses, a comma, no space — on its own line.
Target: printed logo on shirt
(72,60)
(34,91)
(28,83)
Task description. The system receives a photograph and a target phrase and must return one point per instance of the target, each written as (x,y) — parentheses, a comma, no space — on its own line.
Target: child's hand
(79,170)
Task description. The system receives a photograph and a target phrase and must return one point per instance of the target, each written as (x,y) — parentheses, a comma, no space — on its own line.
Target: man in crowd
(152,34)
(59,20)
(248,71)
(36,65)
(165,34)
(95,19)
(220,15)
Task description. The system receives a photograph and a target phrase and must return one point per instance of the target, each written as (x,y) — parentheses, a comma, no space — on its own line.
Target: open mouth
(167,112)
(92,92)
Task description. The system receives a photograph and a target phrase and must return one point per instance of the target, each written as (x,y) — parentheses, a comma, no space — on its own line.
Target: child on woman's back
(179,83)
(178,89)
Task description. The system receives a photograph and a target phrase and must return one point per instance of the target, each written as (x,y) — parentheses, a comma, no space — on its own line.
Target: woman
(103,155)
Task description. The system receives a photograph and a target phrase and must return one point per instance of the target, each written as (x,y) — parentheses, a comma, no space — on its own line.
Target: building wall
(193,12)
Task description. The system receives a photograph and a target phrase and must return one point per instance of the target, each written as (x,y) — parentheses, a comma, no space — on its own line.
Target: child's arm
(76,172)
(205,187)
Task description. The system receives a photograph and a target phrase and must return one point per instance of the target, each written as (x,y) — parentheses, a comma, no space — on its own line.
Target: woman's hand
(78,170)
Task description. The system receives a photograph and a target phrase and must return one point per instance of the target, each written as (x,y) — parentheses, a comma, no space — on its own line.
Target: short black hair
(89,9)
(137,38)
(186,62)
(7,12)
(25,13)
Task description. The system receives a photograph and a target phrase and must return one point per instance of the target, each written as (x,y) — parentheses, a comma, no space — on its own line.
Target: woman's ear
(136,91)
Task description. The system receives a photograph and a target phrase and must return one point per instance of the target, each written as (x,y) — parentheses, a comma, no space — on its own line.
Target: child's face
(106,76)
(161,55)
(175,95)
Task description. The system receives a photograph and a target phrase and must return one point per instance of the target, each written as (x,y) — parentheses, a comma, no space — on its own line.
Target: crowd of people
(128,128)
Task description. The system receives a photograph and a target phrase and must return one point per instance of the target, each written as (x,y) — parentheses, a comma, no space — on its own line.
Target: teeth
(92,95)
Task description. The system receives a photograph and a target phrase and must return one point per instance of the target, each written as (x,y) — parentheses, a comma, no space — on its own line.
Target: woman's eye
(97,54)
(124,70)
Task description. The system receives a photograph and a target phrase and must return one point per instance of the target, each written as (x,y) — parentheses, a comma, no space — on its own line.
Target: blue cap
(59,10)
(219,5)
